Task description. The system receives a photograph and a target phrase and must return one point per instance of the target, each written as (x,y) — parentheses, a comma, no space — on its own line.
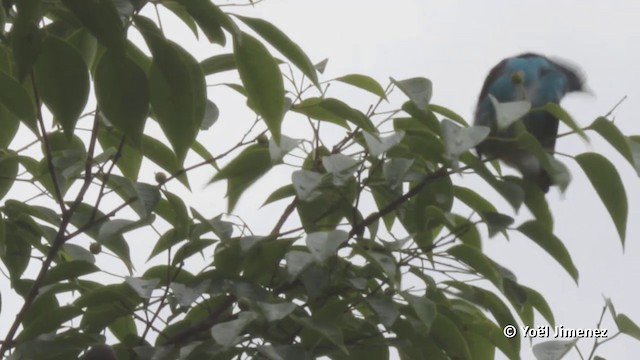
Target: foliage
(377,248)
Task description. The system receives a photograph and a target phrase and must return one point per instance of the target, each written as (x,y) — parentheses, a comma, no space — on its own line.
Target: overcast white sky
(455,43)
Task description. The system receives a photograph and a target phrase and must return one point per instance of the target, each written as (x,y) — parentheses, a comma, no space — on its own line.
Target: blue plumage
(538,80)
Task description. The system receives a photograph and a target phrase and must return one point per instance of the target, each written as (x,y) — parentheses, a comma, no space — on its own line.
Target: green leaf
(344,111)
(62,79)
(323,245)
(328,330)
(143,197)
(610,132)
(558,112)
(553,349)
(448,336)
(276,311)
(378,145)
(540,303)
(86,44)
(25,37)
(297,261)
(473,200)
(496,222)
(509,112)
(541,235)
(245,169)
(16,99)
(130,159)
(477,261)
(627,326)
(68,271)
(9,124)
(181,12)
(102,19)
(262,79)
(535,200)
(311,107)
(448,113)
(8,172)
(108,295)
(606,181)
(16,252)
(364,82)
(458,140)
(48,321)
(218,63)
(122,91)
(386,263)
(166,241)
(227,333)
(284,45)
(181,220)
(418,89)
(424,308)
(210,19)
(178,89)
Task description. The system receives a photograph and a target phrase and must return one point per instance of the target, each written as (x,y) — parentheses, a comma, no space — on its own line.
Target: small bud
(161,177)
(95,248)
(263,140)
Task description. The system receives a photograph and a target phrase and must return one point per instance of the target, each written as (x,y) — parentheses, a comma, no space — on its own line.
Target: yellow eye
(517,77)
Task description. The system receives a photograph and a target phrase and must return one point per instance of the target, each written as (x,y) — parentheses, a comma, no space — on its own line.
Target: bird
(539,80)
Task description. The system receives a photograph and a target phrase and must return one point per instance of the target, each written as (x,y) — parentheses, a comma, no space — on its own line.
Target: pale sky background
(455,43)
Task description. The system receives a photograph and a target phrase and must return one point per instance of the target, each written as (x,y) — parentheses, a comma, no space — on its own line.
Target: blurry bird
(539,80)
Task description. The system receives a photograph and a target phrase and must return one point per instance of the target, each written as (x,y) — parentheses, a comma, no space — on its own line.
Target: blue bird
(539,80)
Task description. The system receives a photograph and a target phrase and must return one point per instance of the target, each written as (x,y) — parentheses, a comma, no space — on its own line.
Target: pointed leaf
(144,287)
(218,63)
(297,261)
(210,19)
(227,333)
(558,112)
(551,244)
(284,45)
(477,261)
(122,91)
(277,152)
(364,82)
(62,79)
(610,132)
(178,89)
(606,181)
(418,89)
(245,169)
(181,12)
(102,19)
(305,184)
(262,79)
(276,311)
(25,37)
(378,145)
(458,140)
(68,271)
(16,99)
(323,245)
(8,172)
(424,308)
(553,349)
(509,112)
(627,326)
